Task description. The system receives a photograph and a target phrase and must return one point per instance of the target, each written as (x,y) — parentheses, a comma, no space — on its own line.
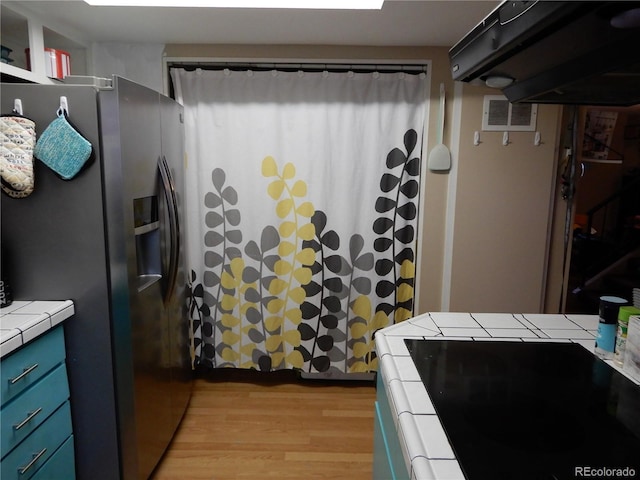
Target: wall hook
(536,139)
(505,139)
(17,106)
(64,106)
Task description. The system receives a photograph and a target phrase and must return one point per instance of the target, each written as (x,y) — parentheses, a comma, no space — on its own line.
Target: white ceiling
(399,23)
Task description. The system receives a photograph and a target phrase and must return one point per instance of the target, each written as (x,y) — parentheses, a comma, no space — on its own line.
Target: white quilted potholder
(17,140)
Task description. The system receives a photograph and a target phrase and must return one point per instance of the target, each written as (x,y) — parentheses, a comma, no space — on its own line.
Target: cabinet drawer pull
(28,419)
(36,457)
(24,373)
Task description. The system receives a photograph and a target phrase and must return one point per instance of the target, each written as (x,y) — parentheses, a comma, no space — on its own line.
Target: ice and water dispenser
(148,237)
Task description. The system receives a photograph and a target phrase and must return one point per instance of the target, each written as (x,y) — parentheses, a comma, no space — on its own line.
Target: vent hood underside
(556,52)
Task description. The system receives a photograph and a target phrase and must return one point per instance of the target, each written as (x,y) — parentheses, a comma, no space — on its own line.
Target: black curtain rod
(412,69)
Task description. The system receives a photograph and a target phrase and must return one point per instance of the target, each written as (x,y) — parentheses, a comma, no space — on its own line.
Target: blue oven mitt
(62,148)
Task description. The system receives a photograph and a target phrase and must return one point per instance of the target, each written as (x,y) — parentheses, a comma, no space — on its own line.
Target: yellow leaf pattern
(307,232)
(303,275)
(276,188)
(306,210)
(300,190)
(273,323)
(286,248)
(405,292)
(263,315)
(287,229)
(294,315)
(306,256)
(295,359)
(289,171)
(284,207)
(282,268)
(269,167)
(276,287)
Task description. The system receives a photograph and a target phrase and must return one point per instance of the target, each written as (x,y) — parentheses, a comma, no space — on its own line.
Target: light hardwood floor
(247,425)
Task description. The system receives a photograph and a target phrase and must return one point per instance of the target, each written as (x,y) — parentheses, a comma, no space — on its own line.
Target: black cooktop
(519,410)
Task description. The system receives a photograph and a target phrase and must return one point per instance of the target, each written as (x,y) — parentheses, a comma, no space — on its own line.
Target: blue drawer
(27,365)
(61,465)
(23,415)
(23,462)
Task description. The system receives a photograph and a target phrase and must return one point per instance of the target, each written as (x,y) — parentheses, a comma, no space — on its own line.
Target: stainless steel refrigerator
(110,239)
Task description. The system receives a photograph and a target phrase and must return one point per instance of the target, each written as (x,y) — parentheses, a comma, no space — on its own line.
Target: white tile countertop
(23,320)
(426,450)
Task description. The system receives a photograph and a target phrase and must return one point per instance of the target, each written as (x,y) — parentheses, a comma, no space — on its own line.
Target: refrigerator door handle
(174,225)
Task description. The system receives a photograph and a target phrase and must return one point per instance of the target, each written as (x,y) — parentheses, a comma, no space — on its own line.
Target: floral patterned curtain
(303,190)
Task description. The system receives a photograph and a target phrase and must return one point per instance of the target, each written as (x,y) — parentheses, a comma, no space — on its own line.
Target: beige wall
(504,198)
(504,194)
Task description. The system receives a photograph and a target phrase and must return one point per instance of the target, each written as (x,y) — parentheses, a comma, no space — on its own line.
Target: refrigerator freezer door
(152,151)
(139,132)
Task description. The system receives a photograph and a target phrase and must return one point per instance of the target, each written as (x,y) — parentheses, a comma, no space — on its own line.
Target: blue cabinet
(35,416)
(382,468)
(388,461)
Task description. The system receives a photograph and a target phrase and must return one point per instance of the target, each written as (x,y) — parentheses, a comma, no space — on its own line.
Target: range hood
(571,52)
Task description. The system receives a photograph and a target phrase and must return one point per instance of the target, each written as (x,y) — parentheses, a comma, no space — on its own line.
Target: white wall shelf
(22,29)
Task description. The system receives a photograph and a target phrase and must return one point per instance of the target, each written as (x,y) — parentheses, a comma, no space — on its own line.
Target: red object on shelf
(57,63)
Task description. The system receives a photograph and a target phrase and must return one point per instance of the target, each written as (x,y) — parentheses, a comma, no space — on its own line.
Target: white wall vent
(498,115)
